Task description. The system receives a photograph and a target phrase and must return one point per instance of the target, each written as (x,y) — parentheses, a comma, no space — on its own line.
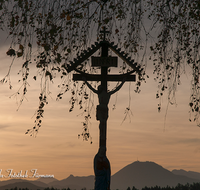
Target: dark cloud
(20,145)
(64,145)
(4,126)
(190,141)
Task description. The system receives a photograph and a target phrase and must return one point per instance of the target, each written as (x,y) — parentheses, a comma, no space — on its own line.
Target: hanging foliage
(58,31)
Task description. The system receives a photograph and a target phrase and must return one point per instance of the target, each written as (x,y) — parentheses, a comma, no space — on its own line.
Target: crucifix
(101,162)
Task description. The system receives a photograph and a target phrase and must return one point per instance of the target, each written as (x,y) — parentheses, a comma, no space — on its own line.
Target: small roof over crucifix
(111,60)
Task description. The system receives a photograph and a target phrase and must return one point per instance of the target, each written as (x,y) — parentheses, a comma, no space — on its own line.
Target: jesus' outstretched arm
(117,88)
(90,87)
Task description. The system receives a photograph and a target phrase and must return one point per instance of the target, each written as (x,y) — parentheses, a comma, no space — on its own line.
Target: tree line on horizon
(194,186)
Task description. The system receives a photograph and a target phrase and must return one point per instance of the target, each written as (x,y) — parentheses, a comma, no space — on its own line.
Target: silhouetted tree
(52,188)
(134,188)
(145,188)
(195,186)
(50,33)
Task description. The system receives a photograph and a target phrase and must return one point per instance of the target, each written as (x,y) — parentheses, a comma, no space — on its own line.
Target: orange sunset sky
(173,143)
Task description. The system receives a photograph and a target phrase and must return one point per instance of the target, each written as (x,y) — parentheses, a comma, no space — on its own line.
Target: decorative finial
(104,33)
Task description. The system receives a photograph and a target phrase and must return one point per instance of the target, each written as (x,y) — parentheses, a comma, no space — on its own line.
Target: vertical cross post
(104,74)
(101,163)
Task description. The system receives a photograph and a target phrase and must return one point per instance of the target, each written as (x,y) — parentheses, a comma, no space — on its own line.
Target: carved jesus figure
(104,97)
(102,108)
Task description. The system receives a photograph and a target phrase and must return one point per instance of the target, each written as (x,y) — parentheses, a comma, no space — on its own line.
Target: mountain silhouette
(150,174)
(46,180)
(190,174)
(23,184)
(138,174)
(12,183)
(75,182)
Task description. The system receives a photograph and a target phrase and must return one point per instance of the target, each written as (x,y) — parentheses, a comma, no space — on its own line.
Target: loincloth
(102,112)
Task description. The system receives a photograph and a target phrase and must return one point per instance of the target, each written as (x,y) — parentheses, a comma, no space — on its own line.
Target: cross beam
(111,78)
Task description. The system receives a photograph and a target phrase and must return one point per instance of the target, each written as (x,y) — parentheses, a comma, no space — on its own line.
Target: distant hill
(141,174)
(47,180)
(138,174)
(23,184)
(75,183)
(190,174)
(11,183)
